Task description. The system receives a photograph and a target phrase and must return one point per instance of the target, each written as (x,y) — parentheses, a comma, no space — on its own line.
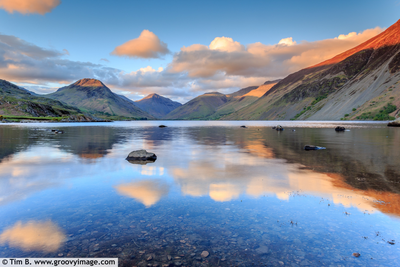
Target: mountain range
(91,95)
(359,84)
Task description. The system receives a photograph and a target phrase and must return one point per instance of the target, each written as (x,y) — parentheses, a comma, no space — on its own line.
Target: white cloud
(226,44)
(287,41)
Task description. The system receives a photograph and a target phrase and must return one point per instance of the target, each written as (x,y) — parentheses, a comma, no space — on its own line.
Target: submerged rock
(310,147)
(205,254)
(141,157)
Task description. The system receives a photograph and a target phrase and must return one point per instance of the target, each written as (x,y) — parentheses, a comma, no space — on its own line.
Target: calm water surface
(248,196)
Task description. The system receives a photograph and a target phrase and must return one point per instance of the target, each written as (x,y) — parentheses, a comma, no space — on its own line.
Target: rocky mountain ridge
(361,83)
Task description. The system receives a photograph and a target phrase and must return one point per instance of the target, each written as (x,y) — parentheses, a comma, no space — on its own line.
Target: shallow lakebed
(248,196)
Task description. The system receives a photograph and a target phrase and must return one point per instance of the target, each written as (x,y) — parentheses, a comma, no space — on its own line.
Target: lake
(217,195)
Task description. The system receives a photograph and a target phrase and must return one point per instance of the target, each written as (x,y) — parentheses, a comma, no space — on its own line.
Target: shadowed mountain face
(157,105)
(216,105)
(199,107)
(241,99)
(15,100)
(356,84)
(92,95)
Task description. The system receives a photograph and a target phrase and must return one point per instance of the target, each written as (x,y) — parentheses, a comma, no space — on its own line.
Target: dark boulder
(310,147)
(243,126)
(162,126)
(141,157)
(340,129)
(395,123)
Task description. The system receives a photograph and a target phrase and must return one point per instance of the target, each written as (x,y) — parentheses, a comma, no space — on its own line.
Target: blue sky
(91,30)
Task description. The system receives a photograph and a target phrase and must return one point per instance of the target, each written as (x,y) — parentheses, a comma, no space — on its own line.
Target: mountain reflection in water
(94,191)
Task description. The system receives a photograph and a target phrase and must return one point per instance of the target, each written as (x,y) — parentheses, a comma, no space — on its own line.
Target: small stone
(149,258)
(205,254)
(114,245)
(193,254)
(281,262)
(182,241)
(169,257)
(356,254)
(60,254)
(177,263)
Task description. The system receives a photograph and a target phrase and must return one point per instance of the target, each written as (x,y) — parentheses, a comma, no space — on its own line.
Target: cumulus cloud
(231,58)
(29,6)
(226,44)
(147,45)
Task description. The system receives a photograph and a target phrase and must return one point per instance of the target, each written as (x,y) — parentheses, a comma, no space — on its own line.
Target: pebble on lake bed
(205,254)
(356,254)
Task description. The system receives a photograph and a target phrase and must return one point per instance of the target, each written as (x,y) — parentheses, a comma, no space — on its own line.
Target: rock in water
(141,157)
(340,129)
(205,254)
(356,254)
(162,126)
(395,123)
(310,147)
(243,126)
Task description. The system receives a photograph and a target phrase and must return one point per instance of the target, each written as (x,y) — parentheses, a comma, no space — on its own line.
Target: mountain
(91,95)
(361,83)
(199,107)
(242,98)
(157,105)
(17,101)
(212,106)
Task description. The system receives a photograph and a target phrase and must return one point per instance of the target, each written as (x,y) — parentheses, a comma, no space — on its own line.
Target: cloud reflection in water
(33,235)
(147,192)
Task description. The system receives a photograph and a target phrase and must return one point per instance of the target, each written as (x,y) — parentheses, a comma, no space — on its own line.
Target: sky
(178,49)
